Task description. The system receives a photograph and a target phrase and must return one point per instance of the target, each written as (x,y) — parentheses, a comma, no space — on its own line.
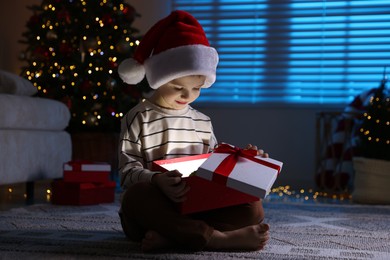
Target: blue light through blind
(311,52)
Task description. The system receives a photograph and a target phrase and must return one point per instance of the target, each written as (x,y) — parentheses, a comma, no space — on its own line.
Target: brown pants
(144,207)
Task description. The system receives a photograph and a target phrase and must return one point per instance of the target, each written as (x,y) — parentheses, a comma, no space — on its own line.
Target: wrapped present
(203,194)
(74,193)
(241,170)
(85,171)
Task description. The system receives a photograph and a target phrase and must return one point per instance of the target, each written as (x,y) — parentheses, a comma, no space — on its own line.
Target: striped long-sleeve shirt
(151,133)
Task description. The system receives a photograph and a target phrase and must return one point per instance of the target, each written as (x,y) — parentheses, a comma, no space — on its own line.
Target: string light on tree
(73,50)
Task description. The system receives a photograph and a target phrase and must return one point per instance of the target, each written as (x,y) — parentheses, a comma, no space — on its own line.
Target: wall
(13,18)
(150,12)
(288,134)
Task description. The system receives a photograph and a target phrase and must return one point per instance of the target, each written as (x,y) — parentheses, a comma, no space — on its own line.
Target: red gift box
(203,194)
(74,193)
(240,169)
(85,171)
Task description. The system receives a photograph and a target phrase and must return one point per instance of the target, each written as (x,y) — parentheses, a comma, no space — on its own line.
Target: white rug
(298,231)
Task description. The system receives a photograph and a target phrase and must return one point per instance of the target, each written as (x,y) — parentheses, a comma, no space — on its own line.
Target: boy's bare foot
(153,241)
(247,238)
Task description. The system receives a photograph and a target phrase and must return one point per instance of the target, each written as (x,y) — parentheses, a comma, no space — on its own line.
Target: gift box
(75,193)
(85,171)
(241,170)
(203,194)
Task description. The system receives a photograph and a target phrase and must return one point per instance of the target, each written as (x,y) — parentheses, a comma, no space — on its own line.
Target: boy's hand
(260,152)
(171,185)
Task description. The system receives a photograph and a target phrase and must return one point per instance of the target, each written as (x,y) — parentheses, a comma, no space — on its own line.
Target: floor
(12,196)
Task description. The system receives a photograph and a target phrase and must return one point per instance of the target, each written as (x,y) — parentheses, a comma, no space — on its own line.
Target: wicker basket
(372,181)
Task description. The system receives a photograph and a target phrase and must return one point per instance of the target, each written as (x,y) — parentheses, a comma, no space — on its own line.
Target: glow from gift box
(185,167)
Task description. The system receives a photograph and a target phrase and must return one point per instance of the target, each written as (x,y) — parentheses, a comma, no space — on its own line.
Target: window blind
(295,52)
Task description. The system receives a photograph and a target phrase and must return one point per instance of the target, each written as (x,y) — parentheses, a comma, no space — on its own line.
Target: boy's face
(179,93)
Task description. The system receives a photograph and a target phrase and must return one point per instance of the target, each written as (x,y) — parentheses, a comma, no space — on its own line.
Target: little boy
(178,61)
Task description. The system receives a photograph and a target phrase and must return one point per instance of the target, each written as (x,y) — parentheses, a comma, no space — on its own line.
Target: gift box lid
(250,174)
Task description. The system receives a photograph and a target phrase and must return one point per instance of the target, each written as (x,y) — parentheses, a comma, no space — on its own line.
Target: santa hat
(174,47)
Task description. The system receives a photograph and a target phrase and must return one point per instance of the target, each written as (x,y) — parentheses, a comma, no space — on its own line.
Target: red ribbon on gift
(227,165)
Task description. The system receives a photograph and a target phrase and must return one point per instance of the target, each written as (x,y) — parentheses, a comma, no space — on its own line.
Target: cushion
(33,155)
(32,113)
(13,84)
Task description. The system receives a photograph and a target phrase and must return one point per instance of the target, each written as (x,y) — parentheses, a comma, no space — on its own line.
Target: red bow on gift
(227,165)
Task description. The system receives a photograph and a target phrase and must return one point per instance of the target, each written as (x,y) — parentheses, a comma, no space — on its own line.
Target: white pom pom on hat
(131,71)
(174,47)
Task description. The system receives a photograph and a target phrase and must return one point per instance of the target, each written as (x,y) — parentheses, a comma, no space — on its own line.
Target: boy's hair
(174,47)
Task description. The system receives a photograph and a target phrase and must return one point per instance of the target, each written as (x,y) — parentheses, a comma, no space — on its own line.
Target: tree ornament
(123,46)
(68,102)
(64,16)
(91,120)
(86,86)
(41,53)
(96,106)
(111,110)
(112,64)
(107,19)
(51,35)
(65,49)
(90,44)
(130,13)
(111,84)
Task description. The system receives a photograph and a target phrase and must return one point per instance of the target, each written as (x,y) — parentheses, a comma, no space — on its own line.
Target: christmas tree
(375,128)
(73,50)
